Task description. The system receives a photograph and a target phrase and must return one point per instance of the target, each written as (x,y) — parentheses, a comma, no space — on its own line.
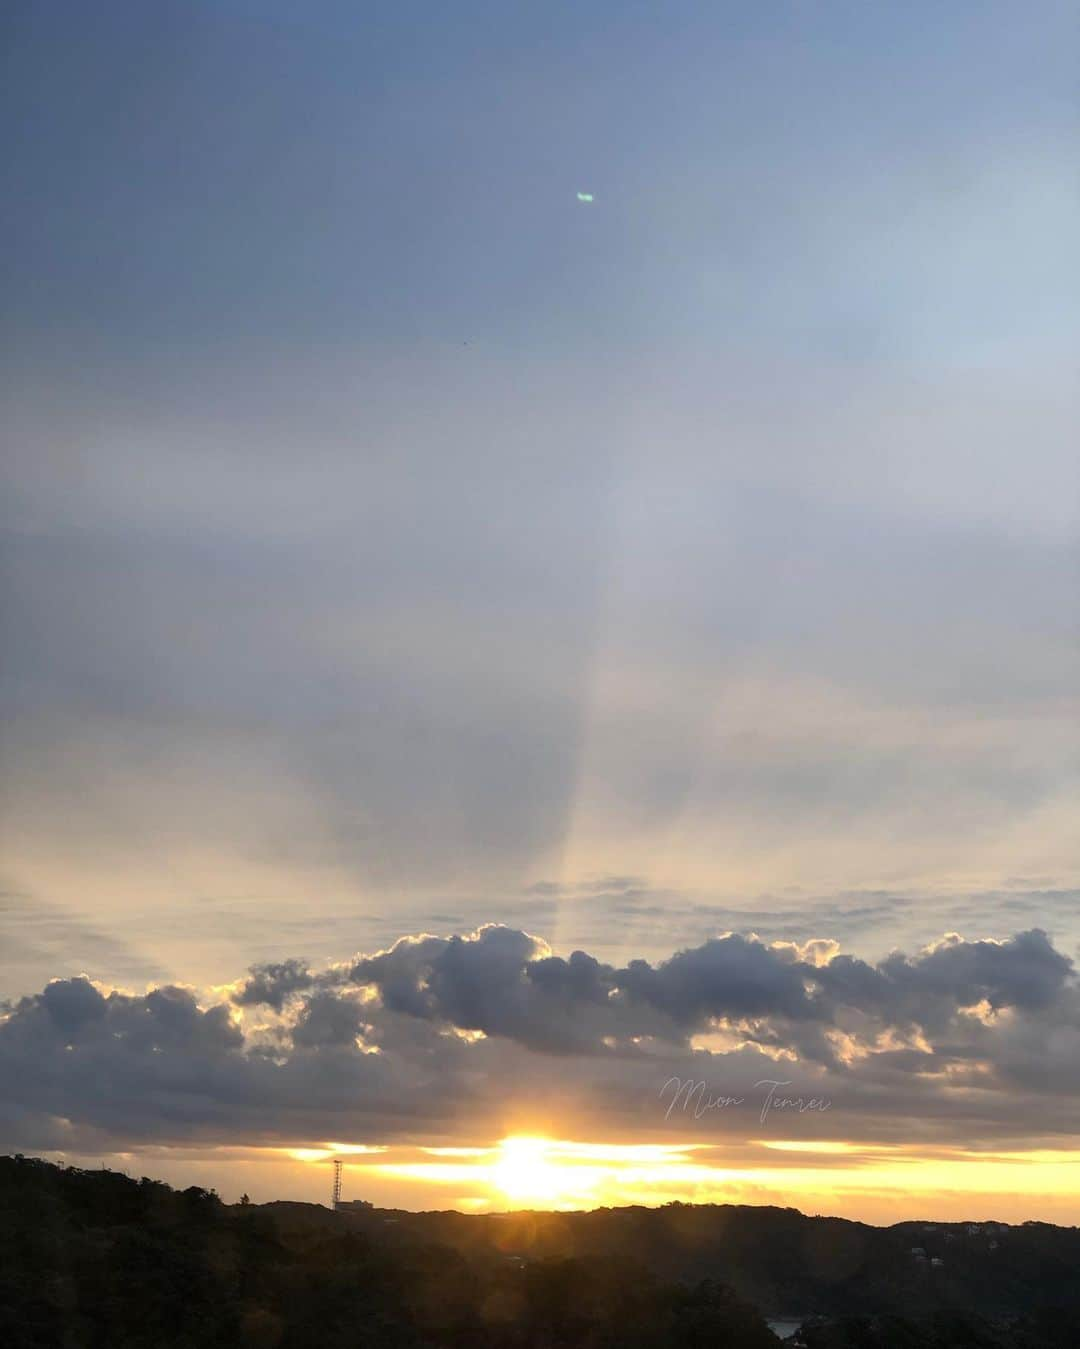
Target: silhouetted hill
(95,1260)
(784,1261)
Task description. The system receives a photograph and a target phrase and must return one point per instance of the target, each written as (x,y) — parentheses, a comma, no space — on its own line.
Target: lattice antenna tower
(337,1183)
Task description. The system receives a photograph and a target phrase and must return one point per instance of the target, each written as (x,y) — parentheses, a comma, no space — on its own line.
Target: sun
(524,1171)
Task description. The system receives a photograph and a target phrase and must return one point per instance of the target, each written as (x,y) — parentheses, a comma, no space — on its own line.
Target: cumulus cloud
(272,984)
(328,1019)
(434,1034)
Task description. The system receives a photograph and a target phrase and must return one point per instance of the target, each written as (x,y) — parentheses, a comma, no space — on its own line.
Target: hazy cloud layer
(384,530)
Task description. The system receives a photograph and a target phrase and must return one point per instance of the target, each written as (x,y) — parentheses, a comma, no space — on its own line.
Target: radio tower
(337,1184)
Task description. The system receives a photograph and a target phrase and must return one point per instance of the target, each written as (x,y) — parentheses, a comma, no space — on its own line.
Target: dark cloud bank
(437,1038)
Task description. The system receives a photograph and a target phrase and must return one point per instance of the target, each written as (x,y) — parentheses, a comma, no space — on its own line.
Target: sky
(661,607)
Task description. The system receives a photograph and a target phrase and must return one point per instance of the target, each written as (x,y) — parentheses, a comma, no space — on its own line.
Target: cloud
(501,982)
(730,977)
(1025,972)
(438,1037)
(328,1019)
(272,983)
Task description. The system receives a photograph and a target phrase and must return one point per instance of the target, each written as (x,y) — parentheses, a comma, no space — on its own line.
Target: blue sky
(815,177)
(395,542)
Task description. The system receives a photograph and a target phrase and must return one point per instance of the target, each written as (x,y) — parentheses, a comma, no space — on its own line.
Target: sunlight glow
(525,1172)
(328,1150)
(529,1171)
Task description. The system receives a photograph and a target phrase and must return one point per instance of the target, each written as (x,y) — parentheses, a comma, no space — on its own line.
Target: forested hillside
(97,1260)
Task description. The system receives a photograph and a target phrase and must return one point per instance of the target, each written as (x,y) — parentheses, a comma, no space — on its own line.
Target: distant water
(783,1328)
